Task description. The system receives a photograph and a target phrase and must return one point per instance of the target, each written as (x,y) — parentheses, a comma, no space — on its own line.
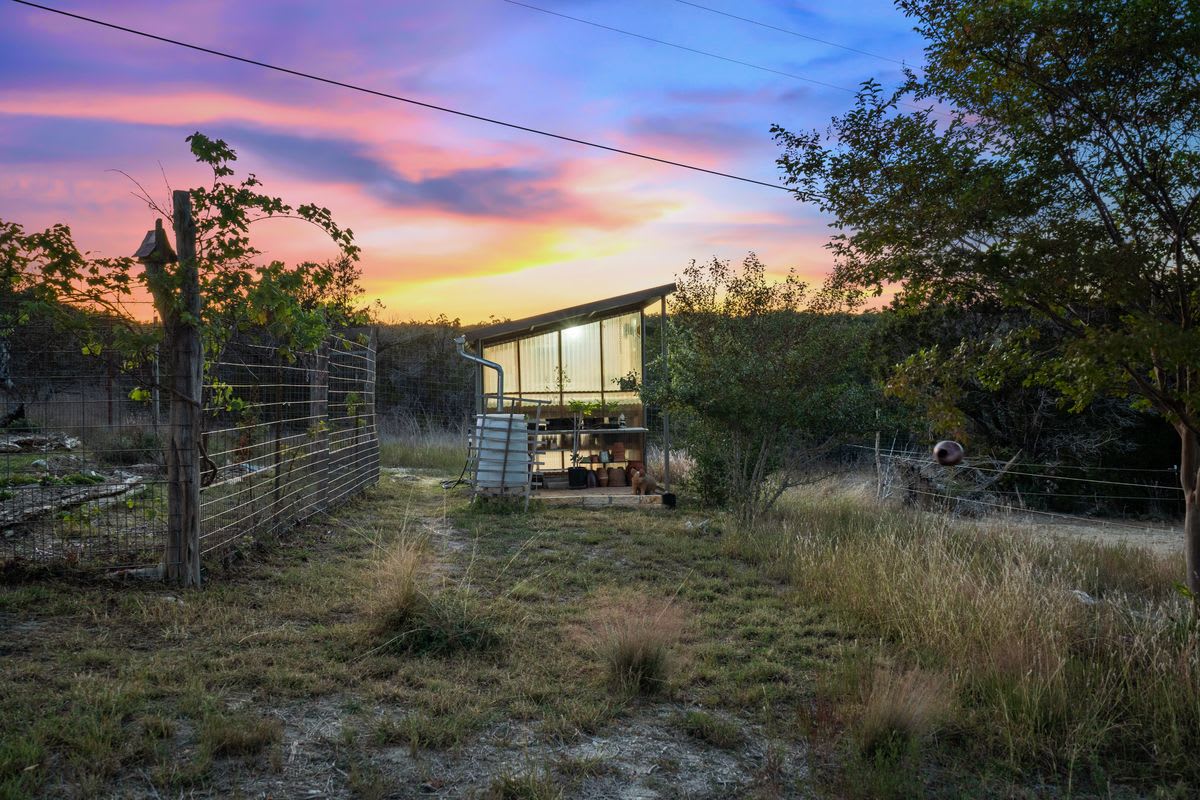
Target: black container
(577,477)
(668,499)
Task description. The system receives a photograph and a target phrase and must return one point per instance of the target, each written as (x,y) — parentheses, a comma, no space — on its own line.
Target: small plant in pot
(628,382)
(608,411)
(577,476)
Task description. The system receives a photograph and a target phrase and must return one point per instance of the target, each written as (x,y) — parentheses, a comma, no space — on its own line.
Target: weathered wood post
(177,299)
(187,371)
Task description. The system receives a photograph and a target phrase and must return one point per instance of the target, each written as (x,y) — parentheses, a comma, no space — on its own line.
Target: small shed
(585,365)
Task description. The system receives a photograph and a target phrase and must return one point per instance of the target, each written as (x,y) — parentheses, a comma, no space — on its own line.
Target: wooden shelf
(570,431)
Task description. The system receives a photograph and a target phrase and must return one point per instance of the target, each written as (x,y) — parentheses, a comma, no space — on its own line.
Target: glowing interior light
(572,333)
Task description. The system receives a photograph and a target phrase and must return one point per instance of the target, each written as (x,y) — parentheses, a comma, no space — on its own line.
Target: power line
(710,54)
(685,48)
(399,98)
(791,32)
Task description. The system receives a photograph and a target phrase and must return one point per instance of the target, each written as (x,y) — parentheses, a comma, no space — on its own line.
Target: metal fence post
(318,392)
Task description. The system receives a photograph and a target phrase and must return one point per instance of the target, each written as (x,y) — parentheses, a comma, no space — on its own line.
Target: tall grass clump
(633,636)
(1106,686)
(409,612)
(409,443)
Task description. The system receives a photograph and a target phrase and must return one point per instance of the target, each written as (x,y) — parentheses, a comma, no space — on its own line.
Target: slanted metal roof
(567,317)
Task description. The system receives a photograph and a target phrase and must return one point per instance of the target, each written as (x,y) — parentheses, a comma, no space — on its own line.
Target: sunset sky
(454,216)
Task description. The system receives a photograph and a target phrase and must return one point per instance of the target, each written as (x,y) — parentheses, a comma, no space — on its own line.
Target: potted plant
(607,411)
(577,476)
(627,382)
(563,423)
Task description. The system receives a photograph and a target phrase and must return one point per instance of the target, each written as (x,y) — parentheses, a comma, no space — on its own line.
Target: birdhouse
(156,248)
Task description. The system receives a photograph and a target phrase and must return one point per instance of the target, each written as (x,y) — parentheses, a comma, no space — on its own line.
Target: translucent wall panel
(581,359)
(622,351)
(539,364)
(506,356)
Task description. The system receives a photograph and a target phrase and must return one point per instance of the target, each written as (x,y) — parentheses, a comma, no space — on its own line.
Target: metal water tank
(502,452)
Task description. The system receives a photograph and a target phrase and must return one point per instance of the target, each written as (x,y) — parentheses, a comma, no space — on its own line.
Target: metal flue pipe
(461,343)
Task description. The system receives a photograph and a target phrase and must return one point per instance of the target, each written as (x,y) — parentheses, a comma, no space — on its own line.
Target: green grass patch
(442,451)
(224,735)
(716,730)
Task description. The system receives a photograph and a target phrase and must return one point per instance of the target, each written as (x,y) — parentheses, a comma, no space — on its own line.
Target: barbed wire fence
(1120,497)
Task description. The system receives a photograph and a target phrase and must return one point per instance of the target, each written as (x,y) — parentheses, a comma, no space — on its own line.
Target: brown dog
(643,483)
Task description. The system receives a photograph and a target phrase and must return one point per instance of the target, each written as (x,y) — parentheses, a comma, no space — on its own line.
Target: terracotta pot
(602,477)
(616,477)
(618,451)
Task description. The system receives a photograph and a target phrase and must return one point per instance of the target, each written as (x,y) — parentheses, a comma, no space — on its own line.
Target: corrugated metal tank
(502,447)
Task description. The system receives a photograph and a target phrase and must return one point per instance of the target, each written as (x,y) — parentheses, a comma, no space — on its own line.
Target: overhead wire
(1036,464)
(924,109)
(399,98)
(790,32)
(683,47)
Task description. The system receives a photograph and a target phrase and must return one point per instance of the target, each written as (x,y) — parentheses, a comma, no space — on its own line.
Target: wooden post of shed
(666,415)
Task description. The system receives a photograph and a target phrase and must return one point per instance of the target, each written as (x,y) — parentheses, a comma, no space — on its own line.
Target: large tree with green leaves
(1052,164)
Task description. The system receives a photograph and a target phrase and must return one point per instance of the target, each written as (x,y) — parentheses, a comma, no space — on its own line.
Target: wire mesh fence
(81,463)
(82,459)
(283,440)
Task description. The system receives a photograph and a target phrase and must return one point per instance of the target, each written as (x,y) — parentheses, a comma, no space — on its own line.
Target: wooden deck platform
(600,496)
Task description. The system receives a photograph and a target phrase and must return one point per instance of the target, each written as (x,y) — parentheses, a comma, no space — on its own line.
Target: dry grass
(901,710)
(239,734)
(634,636)
(407,444)
(410,612)
(1110,688)
(682,464)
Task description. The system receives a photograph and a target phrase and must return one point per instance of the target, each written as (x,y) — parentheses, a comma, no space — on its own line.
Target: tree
(45,279)
(1064,179)
(763,382)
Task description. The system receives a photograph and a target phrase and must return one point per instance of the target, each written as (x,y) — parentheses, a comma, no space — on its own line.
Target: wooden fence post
(187,369)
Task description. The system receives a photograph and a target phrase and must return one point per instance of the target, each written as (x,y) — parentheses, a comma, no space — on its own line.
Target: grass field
(412,645)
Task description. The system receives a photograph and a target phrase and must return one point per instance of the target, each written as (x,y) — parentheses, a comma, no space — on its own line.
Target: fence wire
(82,476)
(82,445)
(284,440)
